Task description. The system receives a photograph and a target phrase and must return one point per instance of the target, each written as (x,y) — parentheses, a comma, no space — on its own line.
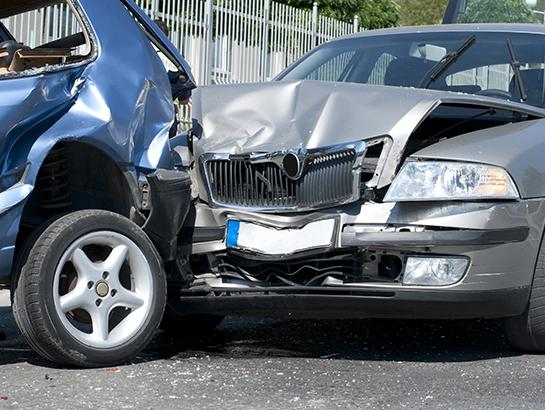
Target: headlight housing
(450,181)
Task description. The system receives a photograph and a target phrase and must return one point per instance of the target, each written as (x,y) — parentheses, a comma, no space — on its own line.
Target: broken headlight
(438,180)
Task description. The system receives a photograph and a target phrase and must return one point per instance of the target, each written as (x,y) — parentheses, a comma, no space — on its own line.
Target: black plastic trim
(452,11)
(362,303)
(430,239)
(203,234)
(170,200)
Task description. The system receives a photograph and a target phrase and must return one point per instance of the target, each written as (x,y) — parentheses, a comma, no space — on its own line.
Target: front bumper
(501,240)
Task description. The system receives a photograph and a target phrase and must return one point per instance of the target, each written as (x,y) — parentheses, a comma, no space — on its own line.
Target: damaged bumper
(499,241)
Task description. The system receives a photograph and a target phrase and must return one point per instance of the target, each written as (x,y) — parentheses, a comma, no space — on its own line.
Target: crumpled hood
(302,114)
(278,115)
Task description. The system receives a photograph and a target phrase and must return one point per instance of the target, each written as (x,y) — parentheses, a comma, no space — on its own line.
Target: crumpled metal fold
(302,114)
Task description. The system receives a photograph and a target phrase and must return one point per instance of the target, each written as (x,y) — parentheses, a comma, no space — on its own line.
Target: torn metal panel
(29,104)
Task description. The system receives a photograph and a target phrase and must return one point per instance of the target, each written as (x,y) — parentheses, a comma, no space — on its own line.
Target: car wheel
(527,331)
(92,290)
(189,325)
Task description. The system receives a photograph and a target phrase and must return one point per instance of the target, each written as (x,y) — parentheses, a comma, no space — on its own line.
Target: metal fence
(231,41)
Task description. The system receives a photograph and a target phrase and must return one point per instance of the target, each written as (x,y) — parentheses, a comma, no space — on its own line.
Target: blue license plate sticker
(233,228)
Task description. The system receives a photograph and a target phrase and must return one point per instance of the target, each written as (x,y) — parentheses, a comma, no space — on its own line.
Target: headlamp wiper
(445,63)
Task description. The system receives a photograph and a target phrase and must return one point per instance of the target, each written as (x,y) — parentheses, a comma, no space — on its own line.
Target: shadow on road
(385,340)
(389,340)
(13,349)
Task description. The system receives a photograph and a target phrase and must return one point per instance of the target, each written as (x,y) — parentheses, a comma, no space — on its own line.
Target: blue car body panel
(118,101)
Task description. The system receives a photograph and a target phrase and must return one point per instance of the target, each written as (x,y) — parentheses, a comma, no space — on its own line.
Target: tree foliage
(372,13)
(422,12)
(498,11)
(540,6)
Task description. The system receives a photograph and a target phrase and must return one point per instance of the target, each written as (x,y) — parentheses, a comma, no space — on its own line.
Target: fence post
(208,41)
(265,45)
(155,9)
(356,23)
(314,23)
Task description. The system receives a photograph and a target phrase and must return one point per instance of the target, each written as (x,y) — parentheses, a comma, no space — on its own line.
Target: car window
(58,38)
(379,70)
(494,77)
(410,59)
(333,68)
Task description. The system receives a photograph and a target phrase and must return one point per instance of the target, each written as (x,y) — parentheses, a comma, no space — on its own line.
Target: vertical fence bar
(265,40)
(208,43)
(314,23)
(155,9)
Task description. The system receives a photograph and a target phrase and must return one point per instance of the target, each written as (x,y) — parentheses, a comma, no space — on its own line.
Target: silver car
(394,173)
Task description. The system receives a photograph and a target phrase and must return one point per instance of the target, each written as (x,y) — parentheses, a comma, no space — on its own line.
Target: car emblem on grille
(292,165)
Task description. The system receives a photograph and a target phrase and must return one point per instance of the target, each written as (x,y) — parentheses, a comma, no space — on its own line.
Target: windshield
(482,65)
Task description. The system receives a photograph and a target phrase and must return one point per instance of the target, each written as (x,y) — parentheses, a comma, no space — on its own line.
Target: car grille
(327,179)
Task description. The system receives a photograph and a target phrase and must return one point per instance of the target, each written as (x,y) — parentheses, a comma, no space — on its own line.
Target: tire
(24,251)
(189,325)
(527,331)
(92,291)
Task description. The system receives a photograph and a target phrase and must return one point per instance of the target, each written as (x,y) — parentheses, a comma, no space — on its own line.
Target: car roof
(453,28)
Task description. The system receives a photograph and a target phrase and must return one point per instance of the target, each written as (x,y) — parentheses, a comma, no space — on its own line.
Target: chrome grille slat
(327,179)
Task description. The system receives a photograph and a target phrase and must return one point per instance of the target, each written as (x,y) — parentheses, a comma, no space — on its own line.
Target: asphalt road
(281,364)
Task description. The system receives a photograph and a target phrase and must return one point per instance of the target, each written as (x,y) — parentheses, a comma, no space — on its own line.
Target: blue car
(85,127)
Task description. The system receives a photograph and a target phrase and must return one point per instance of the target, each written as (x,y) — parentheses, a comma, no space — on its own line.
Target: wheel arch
(76,175)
